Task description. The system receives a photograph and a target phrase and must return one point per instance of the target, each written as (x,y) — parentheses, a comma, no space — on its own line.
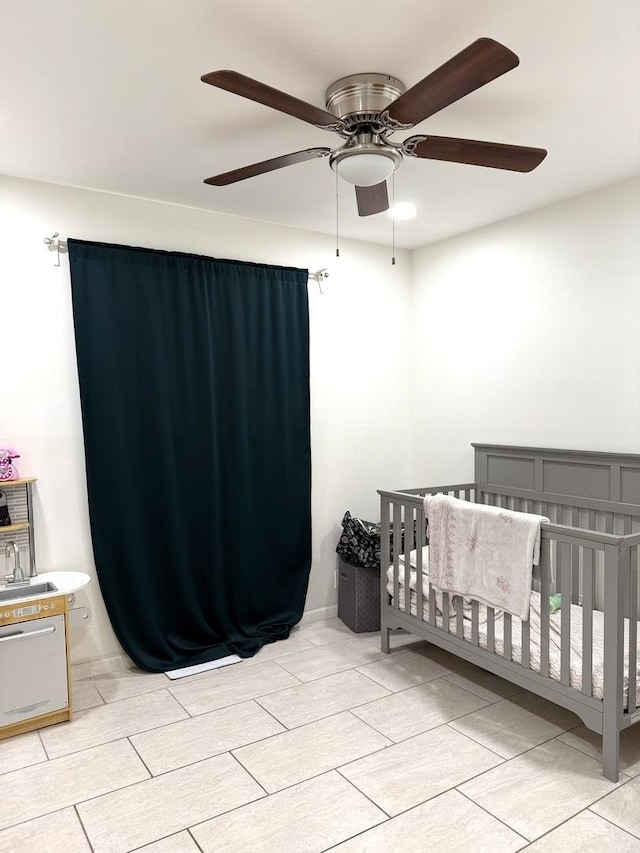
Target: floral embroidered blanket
(483,552)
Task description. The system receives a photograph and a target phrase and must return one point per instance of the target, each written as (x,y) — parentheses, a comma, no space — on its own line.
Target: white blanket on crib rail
(437,594)
(483,552)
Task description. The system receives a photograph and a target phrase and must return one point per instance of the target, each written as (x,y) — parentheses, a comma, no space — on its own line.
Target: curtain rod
(55,244)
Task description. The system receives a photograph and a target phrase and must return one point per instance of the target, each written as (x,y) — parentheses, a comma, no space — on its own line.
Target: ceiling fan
(366,109)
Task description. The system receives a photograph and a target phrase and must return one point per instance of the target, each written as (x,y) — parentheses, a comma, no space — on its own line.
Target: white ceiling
(106,94)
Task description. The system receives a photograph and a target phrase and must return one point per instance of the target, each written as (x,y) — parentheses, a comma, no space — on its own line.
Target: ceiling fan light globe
(366,169)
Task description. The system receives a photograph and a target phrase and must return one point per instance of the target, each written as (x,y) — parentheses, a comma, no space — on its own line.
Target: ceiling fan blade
(479,63)
(373,199)
(246,87)
(266,166)
(515,158)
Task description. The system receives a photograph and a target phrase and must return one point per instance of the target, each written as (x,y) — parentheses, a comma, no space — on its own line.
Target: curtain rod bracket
(319,276)
(56,245)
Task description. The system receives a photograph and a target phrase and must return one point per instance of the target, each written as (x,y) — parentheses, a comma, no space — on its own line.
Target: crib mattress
(555,628)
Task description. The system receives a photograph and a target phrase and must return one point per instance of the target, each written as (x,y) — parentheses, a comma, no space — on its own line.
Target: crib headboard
(583,473)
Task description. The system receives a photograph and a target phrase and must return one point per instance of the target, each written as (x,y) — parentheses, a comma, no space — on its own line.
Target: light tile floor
(318,743)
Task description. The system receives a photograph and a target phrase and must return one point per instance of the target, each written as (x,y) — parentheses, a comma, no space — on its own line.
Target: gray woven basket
(359,597)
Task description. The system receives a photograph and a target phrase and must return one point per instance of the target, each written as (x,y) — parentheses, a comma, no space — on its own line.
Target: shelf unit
(20,509)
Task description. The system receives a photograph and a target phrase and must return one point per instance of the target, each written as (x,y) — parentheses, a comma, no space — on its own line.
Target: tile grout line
(135,695)
(388,817)
(215,755)
(371,726)
(489,701)
(477,742)
(510,757)
(571,817)
(297,729)
(611,822)
(495,817)
(228,751)
(273,717)
(164,838)
(324,772)
(146,767)
(250,802)
(116,738)
(77,813)
(402,689)
(542,743)
(434,796)
(193,838)
(45,814)
(246,770)
(186,710)
(81,802)
(618,786)
(330,713)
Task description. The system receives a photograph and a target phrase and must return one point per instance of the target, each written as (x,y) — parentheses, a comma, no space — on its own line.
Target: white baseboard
(329,612)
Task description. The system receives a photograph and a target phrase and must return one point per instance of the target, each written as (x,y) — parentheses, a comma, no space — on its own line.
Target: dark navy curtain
(194,385)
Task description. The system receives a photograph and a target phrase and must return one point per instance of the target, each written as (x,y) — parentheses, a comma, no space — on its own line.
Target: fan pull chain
(393,220)
(337,246)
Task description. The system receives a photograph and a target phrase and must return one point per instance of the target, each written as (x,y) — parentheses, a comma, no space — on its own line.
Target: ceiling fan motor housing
(362,97)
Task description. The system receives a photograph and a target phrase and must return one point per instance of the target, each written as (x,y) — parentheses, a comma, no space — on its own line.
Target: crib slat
(587,621)
(526,643)
(445,611)
(408,537)
(633,630)
(564,569)
(616,565)
(420,537)
(491,629)
(460,617)
(506,640)
(475,622)
(575,560)
(396,560)
(432,605)
(626,594)
(545,556)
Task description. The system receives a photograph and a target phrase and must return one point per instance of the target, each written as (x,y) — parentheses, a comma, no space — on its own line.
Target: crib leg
(610,749)
(384,640)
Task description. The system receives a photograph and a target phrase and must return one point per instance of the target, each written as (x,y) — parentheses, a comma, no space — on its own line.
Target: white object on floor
(202,667)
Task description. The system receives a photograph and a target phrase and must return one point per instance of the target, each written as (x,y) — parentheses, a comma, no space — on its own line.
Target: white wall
(528,332)
(360,433)
(524,332)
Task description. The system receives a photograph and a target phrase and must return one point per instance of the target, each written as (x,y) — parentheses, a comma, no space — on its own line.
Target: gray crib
(589,554)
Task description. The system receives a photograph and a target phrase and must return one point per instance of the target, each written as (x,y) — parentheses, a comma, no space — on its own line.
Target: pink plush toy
(8,470)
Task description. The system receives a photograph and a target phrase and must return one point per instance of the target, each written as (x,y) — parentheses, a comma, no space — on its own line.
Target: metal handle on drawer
(24,634)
